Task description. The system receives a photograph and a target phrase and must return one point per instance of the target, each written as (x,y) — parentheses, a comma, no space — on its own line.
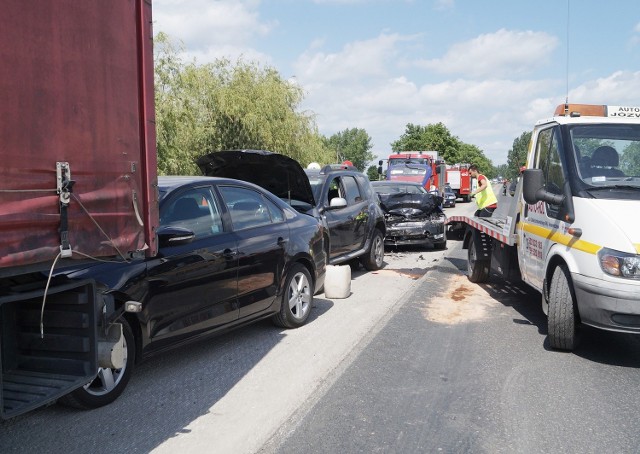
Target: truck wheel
(108,384)
(297,298)
(373,259)
(477,270)
(562,317)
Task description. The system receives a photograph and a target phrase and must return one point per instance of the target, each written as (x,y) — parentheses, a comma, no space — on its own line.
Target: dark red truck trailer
(77,182)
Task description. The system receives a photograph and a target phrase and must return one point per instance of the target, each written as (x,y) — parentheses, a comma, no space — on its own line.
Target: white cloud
(360,60)
(620,88)
(442,5)
(212,29)
(489,114)
(499,54)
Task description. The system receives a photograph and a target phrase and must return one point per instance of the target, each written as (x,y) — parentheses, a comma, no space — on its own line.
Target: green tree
(436,137)
(630,160)
(224,105)
(372,173)
(353,145)
(471,154)
(517,155)
(433,137)
(501,170)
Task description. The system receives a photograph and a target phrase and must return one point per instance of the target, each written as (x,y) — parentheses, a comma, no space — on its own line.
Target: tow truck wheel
(562,317)
(477,270)
(373,259)
(108,383)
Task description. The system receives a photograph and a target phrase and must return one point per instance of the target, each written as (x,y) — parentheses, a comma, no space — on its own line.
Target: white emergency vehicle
(572,228)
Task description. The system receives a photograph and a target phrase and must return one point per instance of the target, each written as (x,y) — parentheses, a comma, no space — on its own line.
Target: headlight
(620,264)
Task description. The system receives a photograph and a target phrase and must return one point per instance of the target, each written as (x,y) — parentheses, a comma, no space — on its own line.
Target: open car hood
(409,205)
(278,174)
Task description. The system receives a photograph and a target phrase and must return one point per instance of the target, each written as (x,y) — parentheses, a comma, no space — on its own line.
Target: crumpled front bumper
(415,232)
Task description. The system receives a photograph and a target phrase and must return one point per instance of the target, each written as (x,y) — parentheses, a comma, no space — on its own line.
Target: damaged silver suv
(412,214)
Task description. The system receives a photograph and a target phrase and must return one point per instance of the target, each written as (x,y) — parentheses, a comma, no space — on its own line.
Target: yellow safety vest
(486,197)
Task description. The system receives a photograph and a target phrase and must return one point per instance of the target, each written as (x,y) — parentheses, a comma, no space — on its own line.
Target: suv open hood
(278,174)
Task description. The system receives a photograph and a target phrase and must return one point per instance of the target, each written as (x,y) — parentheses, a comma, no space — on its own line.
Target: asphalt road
(416,359)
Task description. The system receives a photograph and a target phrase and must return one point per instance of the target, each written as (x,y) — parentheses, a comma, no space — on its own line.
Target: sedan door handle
(282,241)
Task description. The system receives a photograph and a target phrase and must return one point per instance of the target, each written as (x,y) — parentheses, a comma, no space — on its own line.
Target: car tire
(562,320)
(374,257)
(441,245)
(108,384)
(296,299)
(477,270)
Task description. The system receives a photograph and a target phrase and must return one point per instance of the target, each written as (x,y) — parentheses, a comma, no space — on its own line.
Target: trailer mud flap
(505,261)
(38,370)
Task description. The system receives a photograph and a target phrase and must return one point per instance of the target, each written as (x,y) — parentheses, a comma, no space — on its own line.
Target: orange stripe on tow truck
(566,240)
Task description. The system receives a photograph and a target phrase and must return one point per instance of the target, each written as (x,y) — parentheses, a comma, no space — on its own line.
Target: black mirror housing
(532,181)
(533,189)
(174,236)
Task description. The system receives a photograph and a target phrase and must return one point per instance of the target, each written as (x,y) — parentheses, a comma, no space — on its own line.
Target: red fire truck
(460,181)
(418,166)
(425,167)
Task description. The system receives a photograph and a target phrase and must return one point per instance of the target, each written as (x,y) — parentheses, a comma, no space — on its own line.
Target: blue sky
(487,69)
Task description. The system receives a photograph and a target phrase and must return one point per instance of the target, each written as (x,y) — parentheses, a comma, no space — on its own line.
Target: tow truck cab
(578,235)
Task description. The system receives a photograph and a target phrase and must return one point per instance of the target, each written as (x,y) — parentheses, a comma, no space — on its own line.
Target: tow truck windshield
(607,156)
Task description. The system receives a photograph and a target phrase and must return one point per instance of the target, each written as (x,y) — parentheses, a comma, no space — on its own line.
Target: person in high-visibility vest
(485,197)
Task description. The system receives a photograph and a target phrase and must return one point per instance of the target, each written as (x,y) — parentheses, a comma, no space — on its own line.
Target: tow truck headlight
(621,264)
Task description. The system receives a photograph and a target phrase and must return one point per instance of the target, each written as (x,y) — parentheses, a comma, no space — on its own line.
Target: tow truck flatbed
(501,225)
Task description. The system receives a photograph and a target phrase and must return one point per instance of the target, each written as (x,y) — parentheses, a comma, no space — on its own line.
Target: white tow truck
(572,228)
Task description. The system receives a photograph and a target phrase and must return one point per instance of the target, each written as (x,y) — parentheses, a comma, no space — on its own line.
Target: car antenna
(566,100)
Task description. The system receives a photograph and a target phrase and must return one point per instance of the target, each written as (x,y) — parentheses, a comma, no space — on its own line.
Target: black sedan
(229,253)
(413,215)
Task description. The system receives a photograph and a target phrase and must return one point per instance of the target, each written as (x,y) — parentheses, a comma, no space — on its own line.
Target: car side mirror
(337,202)
(533,189)
(174,236)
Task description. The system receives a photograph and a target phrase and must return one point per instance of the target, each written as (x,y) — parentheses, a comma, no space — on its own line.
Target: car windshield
(448,190)
(607,156)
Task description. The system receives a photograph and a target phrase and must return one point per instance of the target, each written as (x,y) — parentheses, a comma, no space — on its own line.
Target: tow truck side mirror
(533,189)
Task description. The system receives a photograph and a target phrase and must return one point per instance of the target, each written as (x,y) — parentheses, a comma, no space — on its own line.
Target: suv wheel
(374,257)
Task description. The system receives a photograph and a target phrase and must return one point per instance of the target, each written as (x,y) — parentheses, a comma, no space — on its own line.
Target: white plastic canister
(337,282)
